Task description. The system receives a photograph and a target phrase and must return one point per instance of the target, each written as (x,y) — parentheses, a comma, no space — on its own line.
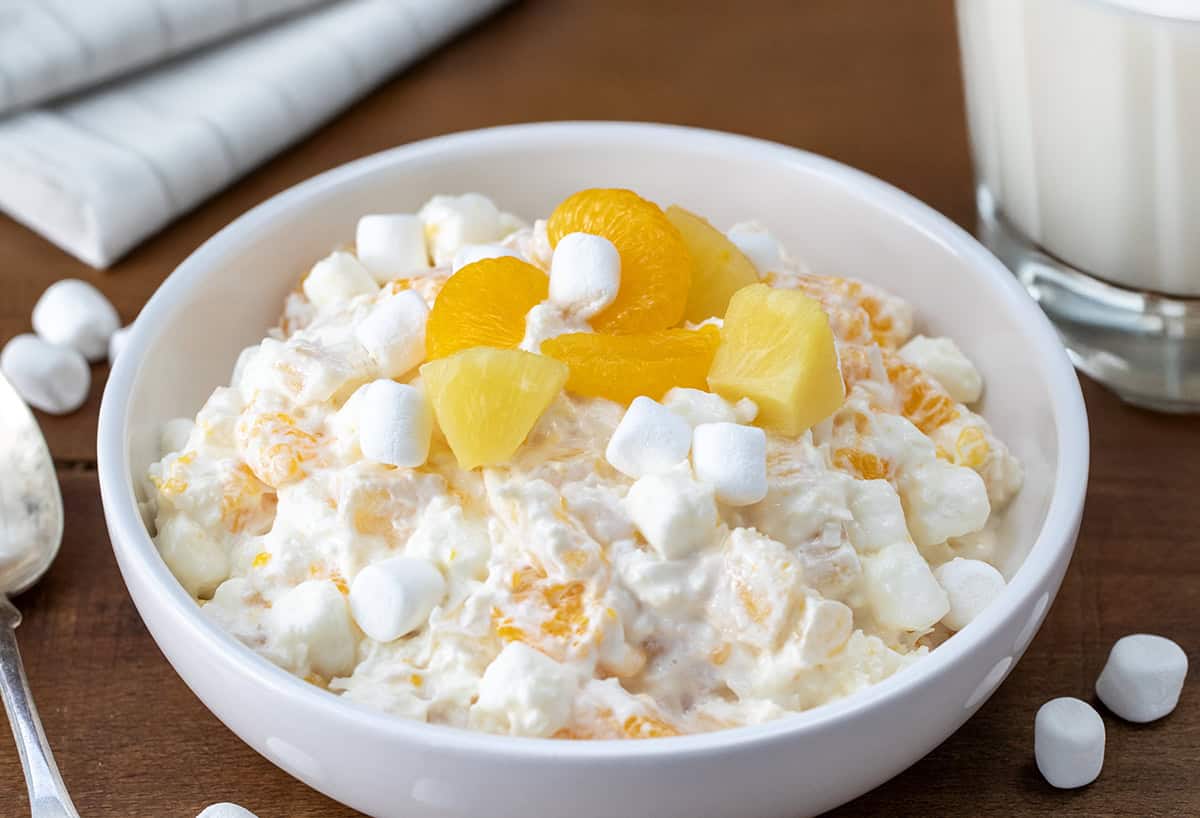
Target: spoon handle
(47,794)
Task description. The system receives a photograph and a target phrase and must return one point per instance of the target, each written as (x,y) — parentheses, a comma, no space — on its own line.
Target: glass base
(1144,346)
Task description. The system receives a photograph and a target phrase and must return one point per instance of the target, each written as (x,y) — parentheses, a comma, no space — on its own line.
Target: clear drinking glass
(1084,118)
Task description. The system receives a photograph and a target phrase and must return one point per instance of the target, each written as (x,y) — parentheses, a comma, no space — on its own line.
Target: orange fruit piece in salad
(486,400)
(721,269)
(777,349)
(621,367)
(484,304)
(656,267)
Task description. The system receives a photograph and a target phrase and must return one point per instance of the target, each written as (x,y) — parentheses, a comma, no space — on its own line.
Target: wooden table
(874,83)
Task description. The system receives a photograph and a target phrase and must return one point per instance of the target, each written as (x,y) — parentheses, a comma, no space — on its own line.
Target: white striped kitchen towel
(98,173)
(51,47)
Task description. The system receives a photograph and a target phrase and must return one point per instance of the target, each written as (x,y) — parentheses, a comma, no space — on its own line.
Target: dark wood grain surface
(874,83)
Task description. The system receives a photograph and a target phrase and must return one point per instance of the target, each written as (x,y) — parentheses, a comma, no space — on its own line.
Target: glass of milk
(1085,128)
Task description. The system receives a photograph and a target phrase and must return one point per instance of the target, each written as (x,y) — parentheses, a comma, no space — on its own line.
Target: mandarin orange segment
(484,304)
(621,367)
(486,400)
(720,270)
(777,349)
(656,267)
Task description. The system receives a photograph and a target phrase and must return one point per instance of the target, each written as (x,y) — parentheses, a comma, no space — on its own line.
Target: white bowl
(227,293)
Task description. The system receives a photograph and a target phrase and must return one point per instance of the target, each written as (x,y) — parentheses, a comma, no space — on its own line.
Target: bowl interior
(837,221)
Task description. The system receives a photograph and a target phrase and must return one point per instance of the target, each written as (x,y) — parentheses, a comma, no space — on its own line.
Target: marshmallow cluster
(74,324)
(674,505)
(454,221)
(395,423)
(395,597)
(1068,742)
(585,274)
(1143,677)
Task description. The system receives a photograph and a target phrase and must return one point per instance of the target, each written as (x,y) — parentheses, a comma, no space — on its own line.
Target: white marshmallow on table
(878,517)
(311,625)
(395,424)
(1068,742)
(393,333)
(226,810)
(970,585)
(174,435)
(941,359)
(394,597)
(676,514)
(825,626)
(733,460)
(650,439)
(585,274)
(49,377)
(1143,677)
(337,277)
(453,221)
(942,500)
(391,244)
(758,245)
(75,314)
(116,343)
(901,590)
(471,253)
(525,692)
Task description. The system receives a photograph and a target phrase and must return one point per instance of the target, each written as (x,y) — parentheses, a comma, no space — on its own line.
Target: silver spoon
(31,525)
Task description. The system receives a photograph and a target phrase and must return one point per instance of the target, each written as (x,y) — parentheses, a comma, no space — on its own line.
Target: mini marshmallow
(311,625)
(394,597)
(52,378)
(732,459)
(585,274)
(676,514)
(650,439)
(901,590)
(1143,677)
(970,585)
(745,410)
(391,244)
(825,626)
(116,343)
(764,252)
(524,692)
(878,516)
(471,253)
(1068,742)
(75,314)
(941,359)
(453,221)
(337,277)
(174,435)
(226,810)
(393,333)
(198,561)
(943,501)
(395,424)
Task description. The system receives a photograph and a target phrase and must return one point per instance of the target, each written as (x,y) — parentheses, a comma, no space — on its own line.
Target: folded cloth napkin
(98,173)
(50,47)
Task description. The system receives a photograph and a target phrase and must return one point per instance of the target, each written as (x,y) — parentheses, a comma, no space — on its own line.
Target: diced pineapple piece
(720,270)
(777,349)
(486,400)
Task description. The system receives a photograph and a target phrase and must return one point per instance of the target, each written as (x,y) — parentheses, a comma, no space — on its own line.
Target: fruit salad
(615,474)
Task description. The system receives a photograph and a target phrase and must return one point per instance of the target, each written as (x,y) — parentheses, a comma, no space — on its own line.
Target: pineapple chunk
(777,349)
(486,400)
(720,270)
